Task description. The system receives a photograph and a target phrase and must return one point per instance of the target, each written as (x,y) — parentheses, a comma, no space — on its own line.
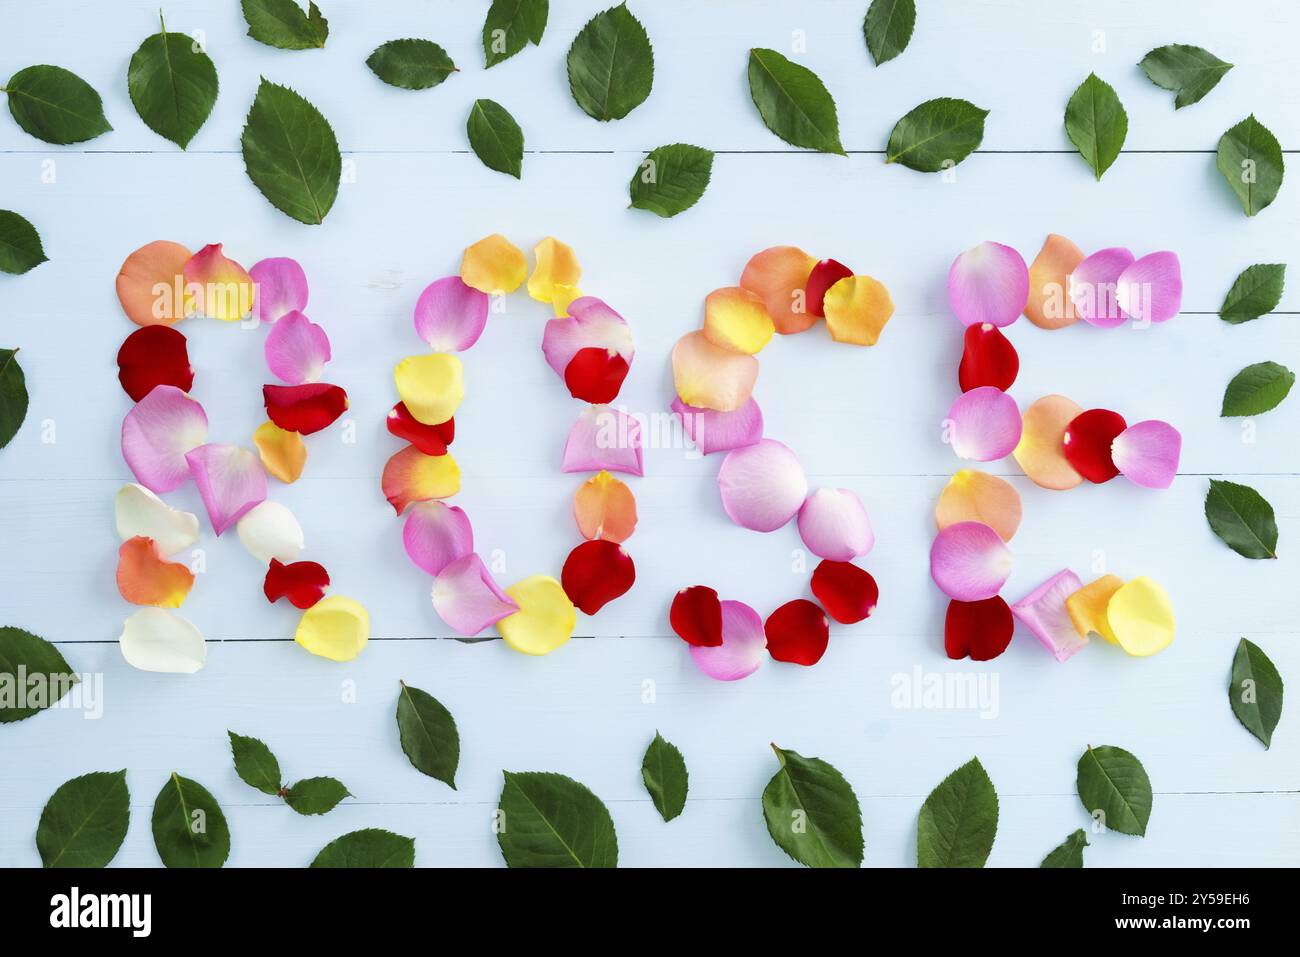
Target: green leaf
(510,26)
(13,400)
(20,244)
(291,154)
(316,795)
(548,820)
(888,28)
(1113,782)
(55,105)
(1069,853)
(173,85)
(428,734)
(1255,691)
(1242,518)
(812,813)
(371,847)
(255,764)
(664,772)
(1256,291)
(936,135)
(1256,389)
(84,822)
(1189,71)
(284,24)
(959,820)
(671,179)
(411,64)
(1096,123)
(793,102)
(495,137)
(1250,159)
(45,676)
(189,829)
(611,65)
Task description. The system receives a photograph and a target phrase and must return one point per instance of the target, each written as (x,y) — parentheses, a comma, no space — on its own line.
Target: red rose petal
(797,632)
(303,583)
(980,629)
(429,439)
(595,375)
(595,573)
(153,355)
(847,592)
(304,408)
(988,358)
(696,616)
(1087,442)
(824,275)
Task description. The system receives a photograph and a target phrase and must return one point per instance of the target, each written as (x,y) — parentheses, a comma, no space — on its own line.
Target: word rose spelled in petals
(984,424)
(1041,451)
(303,583)
(156,435)
(280,287)
(605,508)
(230,481)
(1087,443)
(848,593)
(450,315)
(144,577)
(151,284)
(545,619)
(742,649)
(335,627)
(988,283)
(159,640)
(974,496)
(833,523)
(1147,453)
(429,439)
(604,438)
(779,276)
(988,359)
(590,324)
(696,616)
(468,599)
(763,486)
(283,453)
(979,630)
(1043,612)
(270,531)
(1151,289)
(139,512)
(1093,287)
(220,287)
(595,573)
(1050,305)
(436,534)
(153,356)
(969,561)
(797,632)
(431,386)
(714,431)
(711,377)
(296,349)
(304,409)
(411,476)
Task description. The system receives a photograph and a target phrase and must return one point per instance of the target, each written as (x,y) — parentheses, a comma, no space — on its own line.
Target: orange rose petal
(283,454)
(736,319)
(1041,452)
(974,496)
(145,578)
(856,309)
(710,376)
(557,269)
(221,288)
(1050,305)
(411,476)
(604,507)
(778,275)
(151,284)
(1087,607)
(494,265)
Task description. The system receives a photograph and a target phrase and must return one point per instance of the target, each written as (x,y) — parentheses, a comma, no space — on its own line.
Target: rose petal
(411,476)
(151,356)
(604,507)
(590,324)
(979,630)
(604,438)
(1043,612)
(1087,607)
(711,377)
(595,573)
(969,561)
(157,433)
(833,523)
(429,439)
(431,386)
(144,577)
(270,530)
(762,486)
(219,286)
(737,319)
(279,288)
(467,599)
(139,511)
(595,375)
(848,593)
(1050,305)
(159,640)
(562,297)
(151,284)
(435,535)
(296,349)
(1141,617)
(1093,287)
(449,315)
(711,431)
(797,632)
(974,496)
(1041,452)
(283,454)
(780,276)
(545,619)
(230,480)
(1087,442)
(335,627)
(825,274)
(988,283)
(305,409)
(494,265)
(743,645)
(856,310)
(557,265)
(984,424)
(1147,453)
(696,616)
(1151,289)
(988,359)
(303,583)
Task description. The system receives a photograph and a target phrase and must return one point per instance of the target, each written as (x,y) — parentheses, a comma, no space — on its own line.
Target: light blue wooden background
(864,419)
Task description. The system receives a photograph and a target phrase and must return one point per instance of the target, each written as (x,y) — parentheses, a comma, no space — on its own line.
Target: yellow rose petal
(857,308)
(737,319)
(557,267)
(431,386)
(335,627)
(283,454)
(494,264)
(562,297)
(1087,606)
(411,476)
(1141,617)
(545,619)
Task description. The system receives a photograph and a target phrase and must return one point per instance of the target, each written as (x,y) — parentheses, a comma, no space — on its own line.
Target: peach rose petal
(605,508)
(736,319)
(270,531)
(1043,612)
(139,511)
(969,561)
(557,268)
(449,315)
(156,435)
(1094,287)
(151,284)
(743,648)
(1041,450)
(144,577)
(296,349)
(763,486)
(974,496)
(467,599)
(279,288)
(220,287)
(833,523)
(411,476)
(159,640)
(1087,607)
(231,482)
(431,386)
(985,424)
(436,534)
(336,627)
(494,265)
(1050,305)
(778,275)
(604,438)
(545,619)
(1141,617)
(283,454)
(713,431)
(590,324)
(856,309)
(988,283)
(711,377)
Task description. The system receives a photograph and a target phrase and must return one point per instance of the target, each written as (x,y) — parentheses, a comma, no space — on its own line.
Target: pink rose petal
(280,288)
(1043,612)
(435,535)
(762,486)
(604,438)
(466,597)
(984,424)
(1151,289)
(988,283)
(590,324)
(296,349)
(450,315)
(714,431)
(157,433)
(230,480)
(969,561)
(1093,287)
(1147,453)
(833,523)
(743,648)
